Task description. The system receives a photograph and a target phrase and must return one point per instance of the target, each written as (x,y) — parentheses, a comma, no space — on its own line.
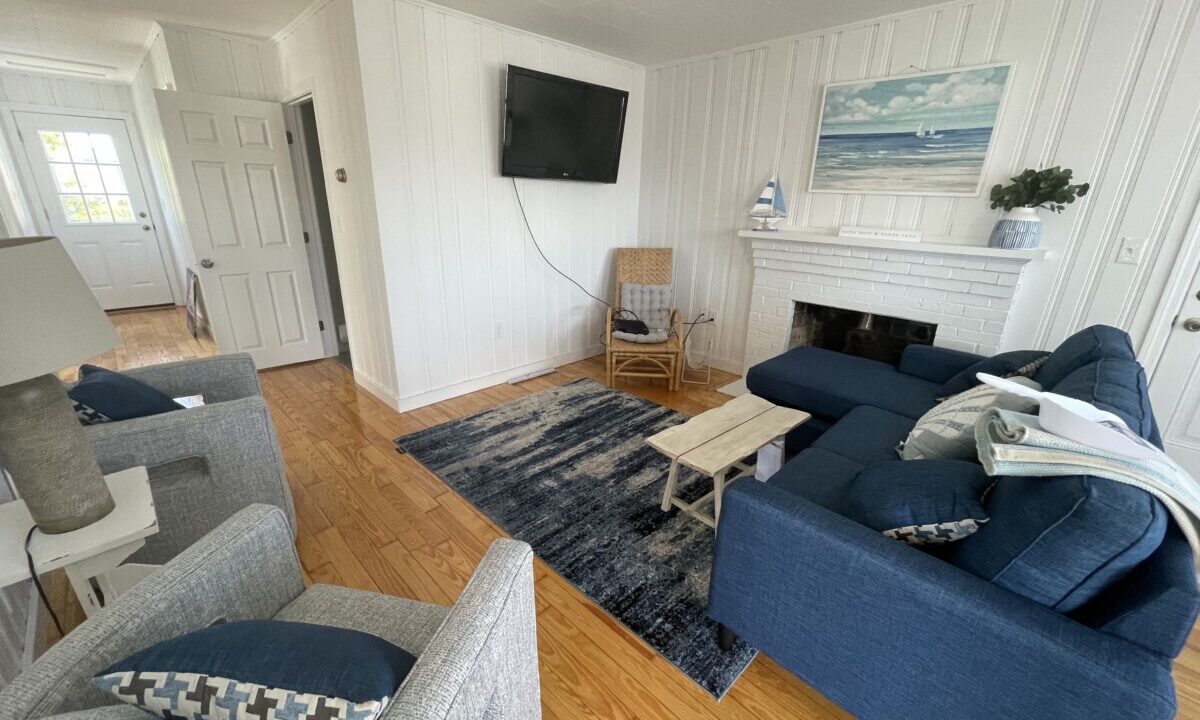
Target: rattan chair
(648,266)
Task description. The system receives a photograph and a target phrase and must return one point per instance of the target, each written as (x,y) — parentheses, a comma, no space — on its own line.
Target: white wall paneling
(1105,87)
(471,301)
(319,54)
(219,63)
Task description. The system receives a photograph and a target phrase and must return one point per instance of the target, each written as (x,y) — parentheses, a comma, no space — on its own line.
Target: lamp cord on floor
(38,584)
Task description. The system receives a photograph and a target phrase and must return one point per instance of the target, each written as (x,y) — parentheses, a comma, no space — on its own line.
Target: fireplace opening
(868,335)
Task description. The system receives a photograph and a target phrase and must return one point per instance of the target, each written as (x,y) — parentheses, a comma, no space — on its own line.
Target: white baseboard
(375,389)
(412,402)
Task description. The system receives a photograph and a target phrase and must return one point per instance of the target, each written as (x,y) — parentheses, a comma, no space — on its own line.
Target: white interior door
(231,165)
(89,184)
(1175,388)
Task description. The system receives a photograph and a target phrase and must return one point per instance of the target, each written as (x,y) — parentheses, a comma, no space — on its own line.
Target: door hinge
(289,137)
(306,240)
(321,325)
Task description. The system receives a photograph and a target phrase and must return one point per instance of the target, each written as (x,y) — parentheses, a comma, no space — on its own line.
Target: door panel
(1175,388)
(90,187)
(231,162)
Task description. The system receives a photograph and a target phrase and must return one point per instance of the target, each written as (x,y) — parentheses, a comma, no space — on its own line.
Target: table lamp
(49,320)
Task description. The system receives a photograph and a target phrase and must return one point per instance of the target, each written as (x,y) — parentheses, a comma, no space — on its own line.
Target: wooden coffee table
(715,442)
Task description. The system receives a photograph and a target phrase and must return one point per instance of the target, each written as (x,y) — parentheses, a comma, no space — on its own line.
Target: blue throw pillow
(248,668)
(1009,364)
(103,395)
(922,502)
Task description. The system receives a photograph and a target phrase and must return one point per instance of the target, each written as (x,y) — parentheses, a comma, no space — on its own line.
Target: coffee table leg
(672,479)
(718,488)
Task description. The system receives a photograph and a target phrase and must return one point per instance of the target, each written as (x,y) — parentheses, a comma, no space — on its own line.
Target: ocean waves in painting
(944,162)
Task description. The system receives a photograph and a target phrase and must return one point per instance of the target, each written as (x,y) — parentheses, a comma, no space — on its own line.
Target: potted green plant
(1050,188)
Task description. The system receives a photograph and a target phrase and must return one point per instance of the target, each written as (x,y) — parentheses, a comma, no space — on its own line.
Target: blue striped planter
(1019,228)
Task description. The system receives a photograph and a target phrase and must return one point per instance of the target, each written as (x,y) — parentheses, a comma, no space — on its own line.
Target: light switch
(1130,252)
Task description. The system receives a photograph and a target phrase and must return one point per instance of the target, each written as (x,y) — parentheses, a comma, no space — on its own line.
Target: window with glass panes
(87,172)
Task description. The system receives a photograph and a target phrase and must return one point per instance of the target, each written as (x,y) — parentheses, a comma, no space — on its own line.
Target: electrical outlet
(499,331)
(1130,252)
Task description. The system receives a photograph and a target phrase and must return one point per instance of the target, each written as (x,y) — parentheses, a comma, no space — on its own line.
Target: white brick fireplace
(966,290)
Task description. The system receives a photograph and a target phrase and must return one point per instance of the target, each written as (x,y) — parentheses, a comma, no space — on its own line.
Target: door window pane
(55,145)
(114,179)
(81,147)
(74,208)
(105,151)
(122,209)
(64,175)
(97,207)
(89,177)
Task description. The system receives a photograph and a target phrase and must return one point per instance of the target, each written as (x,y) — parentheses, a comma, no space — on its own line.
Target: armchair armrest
(205,463)
(608,318)
(219,378)
(483,659)
(245,569)
(886,630)
(935,364)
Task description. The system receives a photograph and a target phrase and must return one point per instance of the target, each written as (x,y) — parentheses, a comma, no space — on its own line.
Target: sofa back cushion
(1084,348)
(1060,541)
(1118,386)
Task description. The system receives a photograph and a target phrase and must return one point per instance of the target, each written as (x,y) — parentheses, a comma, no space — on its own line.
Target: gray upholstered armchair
(205,463)
(476,659)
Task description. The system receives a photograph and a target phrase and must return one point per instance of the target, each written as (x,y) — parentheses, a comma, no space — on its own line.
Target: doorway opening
(318,228)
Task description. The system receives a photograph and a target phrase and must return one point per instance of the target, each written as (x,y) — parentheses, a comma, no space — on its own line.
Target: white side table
(95,551)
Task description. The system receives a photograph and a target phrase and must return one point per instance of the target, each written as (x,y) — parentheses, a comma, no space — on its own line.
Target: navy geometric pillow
(103,395)
(262,669)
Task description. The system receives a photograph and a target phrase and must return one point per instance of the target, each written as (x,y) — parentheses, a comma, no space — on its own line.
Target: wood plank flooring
(371,518)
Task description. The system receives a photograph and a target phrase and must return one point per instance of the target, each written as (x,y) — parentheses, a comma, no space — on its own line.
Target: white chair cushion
(651,304)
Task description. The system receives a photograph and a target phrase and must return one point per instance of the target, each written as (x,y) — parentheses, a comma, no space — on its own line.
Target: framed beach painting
(923,134)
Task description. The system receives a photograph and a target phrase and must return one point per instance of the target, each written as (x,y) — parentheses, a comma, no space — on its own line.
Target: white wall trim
(429,397)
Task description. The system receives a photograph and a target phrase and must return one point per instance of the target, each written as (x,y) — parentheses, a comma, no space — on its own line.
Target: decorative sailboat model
(769,209)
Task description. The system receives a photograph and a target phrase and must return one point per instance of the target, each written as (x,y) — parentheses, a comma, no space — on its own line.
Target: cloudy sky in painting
(953,100)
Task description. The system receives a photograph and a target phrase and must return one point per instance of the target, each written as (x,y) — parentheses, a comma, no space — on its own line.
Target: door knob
(142,214)
(146,228)
(1192,324)
(206,263)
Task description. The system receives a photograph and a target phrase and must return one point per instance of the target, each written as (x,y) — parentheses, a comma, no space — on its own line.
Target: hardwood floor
(371,518)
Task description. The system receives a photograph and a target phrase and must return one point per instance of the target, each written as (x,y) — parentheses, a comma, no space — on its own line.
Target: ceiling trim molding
(809,34)
(295,23)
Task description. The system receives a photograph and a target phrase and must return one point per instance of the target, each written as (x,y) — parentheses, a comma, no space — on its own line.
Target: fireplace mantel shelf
(977,251)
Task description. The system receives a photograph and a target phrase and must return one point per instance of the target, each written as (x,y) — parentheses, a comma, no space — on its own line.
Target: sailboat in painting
(769,209)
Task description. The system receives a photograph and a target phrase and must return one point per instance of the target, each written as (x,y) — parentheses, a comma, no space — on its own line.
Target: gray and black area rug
(568,471)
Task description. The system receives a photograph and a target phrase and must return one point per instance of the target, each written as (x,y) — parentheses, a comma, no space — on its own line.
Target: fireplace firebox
(868,335)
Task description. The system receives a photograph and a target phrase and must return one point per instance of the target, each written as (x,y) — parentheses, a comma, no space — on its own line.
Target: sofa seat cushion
(866,435)
(817,475)
(831,384)
(1084,348)
(1060,541)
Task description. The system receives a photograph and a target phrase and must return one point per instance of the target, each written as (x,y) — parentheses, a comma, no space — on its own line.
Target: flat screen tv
(556,127)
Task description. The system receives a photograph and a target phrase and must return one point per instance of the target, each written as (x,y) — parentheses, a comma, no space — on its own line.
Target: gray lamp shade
(49,318)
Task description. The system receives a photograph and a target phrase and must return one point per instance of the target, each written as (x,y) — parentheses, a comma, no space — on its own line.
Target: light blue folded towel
(1012,443)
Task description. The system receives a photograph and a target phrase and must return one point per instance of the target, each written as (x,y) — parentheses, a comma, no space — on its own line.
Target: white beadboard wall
(1106,87)
(219,63)
(472,303)
(319,54)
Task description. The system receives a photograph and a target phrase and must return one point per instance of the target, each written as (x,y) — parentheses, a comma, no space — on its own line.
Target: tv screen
(556,127)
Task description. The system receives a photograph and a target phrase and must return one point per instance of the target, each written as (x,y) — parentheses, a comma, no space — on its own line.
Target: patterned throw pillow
(1023,363)
(262,669)
(948,429)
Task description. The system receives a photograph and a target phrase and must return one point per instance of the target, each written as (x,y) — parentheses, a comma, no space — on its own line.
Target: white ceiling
(657,31)
(108,37)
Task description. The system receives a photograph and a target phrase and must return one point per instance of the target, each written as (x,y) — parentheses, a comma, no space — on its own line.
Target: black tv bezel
(509,169)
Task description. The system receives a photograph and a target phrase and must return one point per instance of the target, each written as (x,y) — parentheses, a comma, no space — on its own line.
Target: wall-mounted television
(559,128)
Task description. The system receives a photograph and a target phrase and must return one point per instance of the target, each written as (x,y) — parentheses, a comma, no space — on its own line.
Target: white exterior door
(89,185)
(1175,387)
(231,165)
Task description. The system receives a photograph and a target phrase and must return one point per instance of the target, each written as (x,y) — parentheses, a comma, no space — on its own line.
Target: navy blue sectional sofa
(1071,602)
